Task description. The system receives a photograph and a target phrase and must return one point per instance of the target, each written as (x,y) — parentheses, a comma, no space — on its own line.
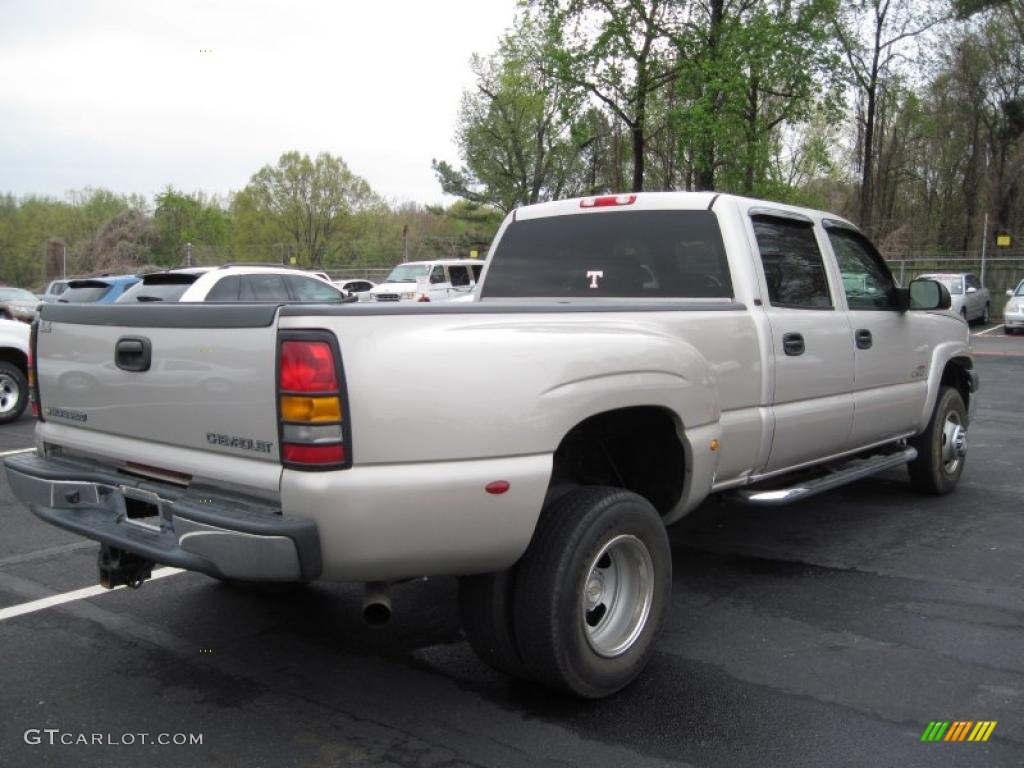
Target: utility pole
(188,254)
(405,243)
(64,268)
(984,244)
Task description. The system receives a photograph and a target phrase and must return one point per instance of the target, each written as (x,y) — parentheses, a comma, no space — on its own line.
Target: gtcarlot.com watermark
(55,736)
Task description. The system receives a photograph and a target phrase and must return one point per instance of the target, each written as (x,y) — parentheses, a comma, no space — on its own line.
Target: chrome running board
(855,470)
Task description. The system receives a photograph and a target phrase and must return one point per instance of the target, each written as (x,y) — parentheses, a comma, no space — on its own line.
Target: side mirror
(929,294)
(972,289)
(1009,292)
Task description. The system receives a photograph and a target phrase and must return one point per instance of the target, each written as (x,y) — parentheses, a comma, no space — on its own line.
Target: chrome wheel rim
(10,394)
(954,442)
(617,595)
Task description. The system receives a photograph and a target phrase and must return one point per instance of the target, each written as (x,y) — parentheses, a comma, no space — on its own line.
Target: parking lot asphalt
(826,633)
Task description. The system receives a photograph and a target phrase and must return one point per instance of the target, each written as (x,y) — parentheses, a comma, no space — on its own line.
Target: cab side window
(867,281)
(437,275)
(793,265)
(973,282)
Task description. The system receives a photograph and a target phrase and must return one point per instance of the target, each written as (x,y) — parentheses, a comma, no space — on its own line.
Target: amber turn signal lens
(294,408)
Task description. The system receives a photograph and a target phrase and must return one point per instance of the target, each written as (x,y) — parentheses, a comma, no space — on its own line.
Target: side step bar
(853,471)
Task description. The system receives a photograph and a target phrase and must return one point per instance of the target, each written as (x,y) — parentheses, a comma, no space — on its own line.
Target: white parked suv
(440,280)
(232,283)
(14,345)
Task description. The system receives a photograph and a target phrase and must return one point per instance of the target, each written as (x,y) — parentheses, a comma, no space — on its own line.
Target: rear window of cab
(620,254)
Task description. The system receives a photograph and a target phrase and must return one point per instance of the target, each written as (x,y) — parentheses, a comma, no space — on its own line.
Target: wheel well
(633,448)
(955,375)
(15,357)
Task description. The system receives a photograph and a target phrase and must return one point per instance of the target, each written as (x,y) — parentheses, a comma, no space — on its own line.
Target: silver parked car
(971,300)
(18,304)
(1013,312)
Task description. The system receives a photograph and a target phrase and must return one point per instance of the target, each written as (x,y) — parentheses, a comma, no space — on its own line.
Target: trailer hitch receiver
(118,567)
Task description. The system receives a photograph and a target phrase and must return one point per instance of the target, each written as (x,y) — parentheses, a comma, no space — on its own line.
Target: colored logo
(958,730)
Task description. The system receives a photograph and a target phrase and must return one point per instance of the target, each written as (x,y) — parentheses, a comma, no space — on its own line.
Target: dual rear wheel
(581,609)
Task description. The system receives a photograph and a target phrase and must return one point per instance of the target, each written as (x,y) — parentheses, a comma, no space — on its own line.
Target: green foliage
(182,219)
(773,66)
(309,201)
(27,225)
(348,225)
(514,133)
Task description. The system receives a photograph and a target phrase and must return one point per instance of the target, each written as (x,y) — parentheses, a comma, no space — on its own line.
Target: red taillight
(32,373)
(314,454)
(307,366)
(607,200)
(310,388)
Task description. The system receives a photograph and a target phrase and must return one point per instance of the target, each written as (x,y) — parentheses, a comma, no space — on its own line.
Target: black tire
(1008,330)
(938,465)
(558,638)
(963,314)
(485,607)
(987,316)
(13,392)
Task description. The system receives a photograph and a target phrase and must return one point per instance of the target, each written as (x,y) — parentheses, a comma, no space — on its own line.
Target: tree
(514,136)
(308,201)
(889,25)
(193,219)
(748,70)
(619,52)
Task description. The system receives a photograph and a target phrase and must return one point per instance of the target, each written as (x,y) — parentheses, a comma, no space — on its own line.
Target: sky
(133,95)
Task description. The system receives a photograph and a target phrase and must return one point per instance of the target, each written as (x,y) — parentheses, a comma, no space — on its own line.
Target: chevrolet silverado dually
(625,357)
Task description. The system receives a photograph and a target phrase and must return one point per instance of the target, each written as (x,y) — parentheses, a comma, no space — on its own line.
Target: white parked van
(440,280)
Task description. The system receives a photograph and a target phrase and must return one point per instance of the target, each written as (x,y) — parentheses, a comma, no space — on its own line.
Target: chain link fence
(999,273)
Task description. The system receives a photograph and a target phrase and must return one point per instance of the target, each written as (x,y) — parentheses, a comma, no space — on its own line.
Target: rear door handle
(133,353)
(863,337)
(793,344)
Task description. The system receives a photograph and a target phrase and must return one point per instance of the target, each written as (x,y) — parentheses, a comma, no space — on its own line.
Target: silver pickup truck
(627,357)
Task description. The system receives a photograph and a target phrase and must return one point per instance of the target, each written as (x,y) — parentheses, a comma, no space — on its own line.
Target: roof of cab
(654,201)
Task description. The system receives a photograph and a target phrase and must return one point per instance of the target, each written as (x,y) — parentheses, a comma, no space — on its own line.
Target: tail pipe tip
(377,603)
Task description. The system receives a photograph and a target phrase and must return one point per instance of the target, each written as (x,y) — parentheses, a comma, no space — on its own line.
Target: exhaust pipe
(377,603)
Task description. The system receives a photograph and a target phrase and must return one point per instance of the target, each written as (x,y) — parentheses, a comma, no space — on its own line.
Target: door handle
(133,353)
(863,337)
(793,344)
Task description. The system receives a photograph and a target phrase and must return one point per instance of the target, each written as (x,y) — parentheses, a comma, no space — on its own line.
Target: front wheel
(592,591)
(942,447)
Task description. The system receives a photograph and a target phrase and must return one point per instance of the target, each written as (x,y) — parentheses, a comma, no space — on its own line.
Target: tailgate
(192,376)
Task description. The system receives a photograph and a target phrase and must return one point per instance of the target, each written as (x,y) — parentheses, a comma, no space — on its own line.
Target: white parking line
(988,330)
(67,597)
(18,450)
